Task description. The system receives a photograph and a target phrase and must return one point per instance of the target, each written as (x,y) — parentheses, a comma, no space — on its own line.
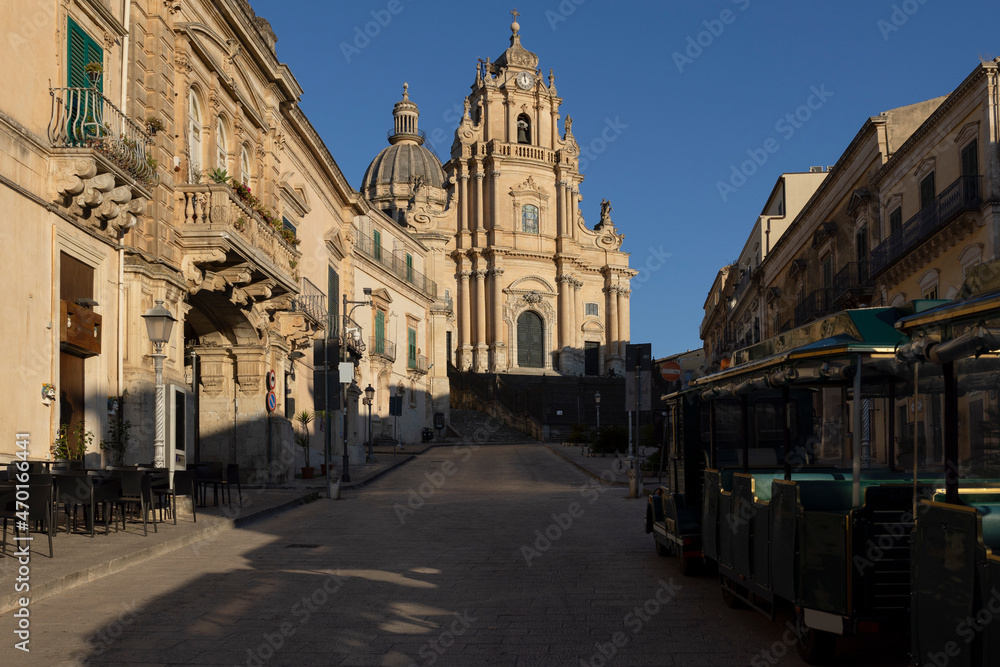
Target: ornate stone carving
(532,297)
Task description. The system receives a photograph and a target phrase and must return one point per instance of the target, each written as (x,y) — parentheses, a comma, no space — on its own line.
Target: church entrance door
(529,340)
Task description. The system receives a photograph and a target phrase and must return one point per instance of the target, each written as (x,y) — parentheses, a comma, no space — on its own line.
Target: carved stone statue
(605,210)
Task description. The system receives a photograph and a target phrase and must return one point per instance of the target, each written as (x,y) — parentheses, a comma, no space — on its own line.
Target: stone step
(479,427)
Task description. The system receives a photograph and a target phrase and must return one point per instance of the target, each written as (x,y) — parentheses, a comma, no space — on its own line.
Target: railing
(383,348)
(743,283)
(419,364)
(217,204)
(526,151)
(395,262)
(965,194)
(854,276)
(353,338)
(84,118)
(312,301)
(818,302)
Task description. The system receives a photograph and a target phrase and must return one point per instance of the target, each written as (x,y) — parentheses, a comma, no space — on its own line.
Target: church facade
(531,286)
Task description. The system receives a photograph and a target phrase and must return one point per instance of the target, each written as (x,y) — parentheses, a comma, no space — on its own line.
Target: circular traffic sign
(271,380)
(670,371)
(272,401)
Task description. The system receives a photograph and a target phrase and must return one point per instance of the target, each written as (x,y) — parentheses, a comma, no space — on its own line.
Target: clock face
(525,81)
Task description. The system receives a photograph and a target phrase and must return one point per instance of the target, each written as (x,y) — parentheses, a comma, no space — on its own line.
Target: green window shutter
(379,332)
(81,50)
(411,351)
(377,245)
(409,267)
(333,304)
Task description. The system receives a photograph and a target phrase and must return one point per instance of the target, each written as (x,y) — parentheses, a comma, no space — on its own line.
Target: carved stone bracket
(194,274)
(90,189)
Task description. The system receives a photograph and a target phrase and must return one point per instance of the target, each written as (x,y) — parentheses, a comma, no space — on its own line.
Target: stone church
(533,288)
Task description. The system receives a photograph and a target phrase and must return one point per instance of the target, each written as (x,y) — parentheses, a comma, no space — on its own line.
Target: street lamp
(345,474)
(597,404)
(159,322)
(368,400)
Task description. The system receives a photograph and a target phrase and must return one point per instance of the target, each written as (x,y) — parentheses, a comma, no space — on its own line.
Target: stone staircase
(475,426)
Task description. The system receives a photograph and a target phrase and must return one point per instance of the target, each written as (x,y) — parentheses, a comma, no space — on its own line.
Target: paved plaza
(464,555)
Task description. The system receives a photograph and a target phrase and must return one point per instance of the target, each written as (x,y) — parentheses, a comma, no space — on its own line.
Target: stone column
(560,208)
(612,319)
(476,223)
(481,362)
(464,321)
(463,203)
(623,319)
(565,283)
(577,337)
(494,213)
(498,348)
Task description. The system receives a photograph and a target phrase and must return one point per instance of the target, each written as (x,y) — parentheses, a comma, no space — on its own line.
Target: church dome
(394,171)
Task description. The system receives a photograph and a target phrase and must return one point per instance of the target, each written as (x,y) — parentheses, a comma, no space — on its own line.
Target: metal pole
(950,433)
(370,457)
(158,453)
(328,452)
(856,438)
(345,474)
(197,409)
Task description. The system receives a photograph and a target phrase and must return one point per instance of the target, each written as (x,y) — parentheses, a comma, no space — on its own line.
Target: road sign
(670,371)
(271,380)
(272,401)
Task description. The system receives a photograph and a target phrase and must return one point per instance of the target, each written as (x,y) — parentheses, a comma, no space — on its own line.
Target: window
(286,224)
(592,309)
(529,219)
(221,147)
(523,129)
(194,138)
(409,268)
(81,51)
(245,173)
(927,191)
(970,159)
(895,220)
(333,303)
(411,347)
(377,245)
(932,293)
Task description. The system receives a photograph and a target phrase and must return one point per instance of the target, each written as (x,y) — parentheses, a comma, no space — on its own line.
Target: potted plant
(154,125)
(218,175)
(66,449)
(119,433)
(304,418)
(94,70)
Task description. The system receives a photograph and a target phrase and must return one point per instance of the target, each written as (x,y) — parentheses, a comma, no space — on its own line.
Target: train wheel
(815,646)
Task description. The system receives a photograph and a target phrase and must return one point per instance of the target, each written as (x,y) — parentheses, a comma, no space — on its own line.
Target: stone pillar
(476,223)
(623,321)
(464,321)
(498,348)
(481,362)
(565,282)
(494,213)
(577,337)
(612,319)
(353,428)
(560,208)
(463,203)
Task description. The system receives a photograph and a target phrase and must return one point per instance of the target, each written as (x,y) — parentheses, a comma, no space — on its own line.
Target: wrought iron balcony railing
(382,348)
(313,302)
(965,194)
(854,280)
(418,364)
(84,118)
(395,262)
(815,304)
(354,340)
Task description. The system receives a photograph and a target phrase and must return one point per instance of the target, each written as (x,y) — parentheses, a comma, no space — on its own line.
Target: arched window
(195,154)
(529,219)
(523,129)
(530,352)
(221,147)
(245,166)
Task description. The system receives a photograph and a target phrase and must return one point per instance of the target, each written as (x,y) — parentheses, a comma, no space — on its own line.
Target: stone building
(534,288)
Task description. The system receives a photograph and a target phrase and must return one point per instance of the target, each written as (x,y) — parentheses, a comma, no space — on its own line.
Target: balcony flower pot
(307,473)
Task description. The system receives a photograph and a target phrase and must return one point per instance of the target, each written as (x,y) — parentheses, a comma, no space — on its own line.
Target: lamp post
(597,404)
(159,322)
(345,475)
(368,400)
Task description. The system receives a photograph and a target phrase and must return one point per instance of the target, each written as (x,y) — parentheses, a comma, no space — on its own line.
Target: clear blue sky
(684,120)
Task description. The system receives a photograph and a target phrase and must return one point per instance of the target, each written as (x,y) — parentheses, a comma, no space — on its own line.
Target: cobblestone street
(505,555)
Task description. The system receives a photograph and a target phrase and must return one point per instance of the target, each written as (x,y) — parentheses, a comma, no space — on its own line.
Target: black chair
(232,477)
(209,473)
(137,490)
(39,509)
(70,491)
(184,485)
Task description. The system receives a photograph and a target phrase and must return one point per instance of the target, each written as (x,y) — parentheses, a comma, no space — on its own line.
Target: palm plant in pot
(304,418)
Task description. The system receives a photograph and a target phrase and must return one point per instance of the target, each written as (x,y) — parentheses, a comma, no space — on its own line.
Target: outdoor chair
(39,509)
(209,473)
(137,491)
(184,485)
(232,477)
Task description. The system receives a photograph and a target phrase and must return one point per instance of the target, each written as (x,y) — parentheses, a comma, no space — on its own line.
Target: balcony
(816,304)
(102,171)
(853,286)
(354,341)
(380,347)
(220,231)
(417,364)
(313,302)
(965,194)
(522,151)
(395,263)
